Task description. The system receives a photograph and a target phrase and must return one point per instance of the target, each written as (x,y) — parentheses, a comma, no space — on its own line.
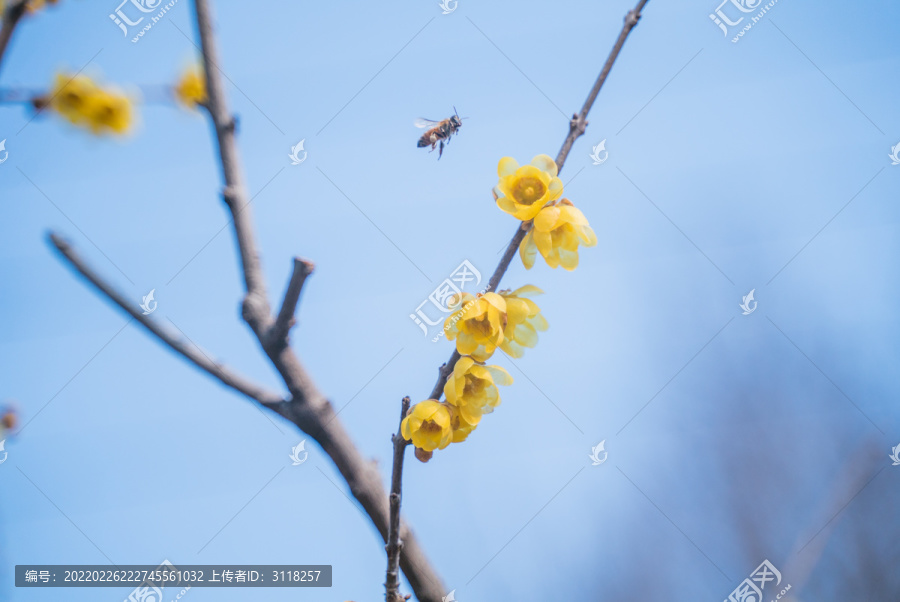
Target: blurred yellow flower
(82,102)
(109,112)
(191,88)
(472,388)
(522,191)
(477,325)
(70,96)
(558,230)
(524,320)
(428,425)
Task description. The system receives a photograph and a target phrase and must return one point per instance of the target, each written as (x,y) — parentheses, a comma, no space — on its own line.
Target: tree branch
(11,17)
(191,352)
(278,334)
(395,544)
(308,408)
(256,305)
(576,128)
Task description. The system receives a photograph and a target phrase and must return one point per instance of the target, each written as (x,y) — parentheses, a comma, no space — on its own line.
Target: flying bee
(438,131)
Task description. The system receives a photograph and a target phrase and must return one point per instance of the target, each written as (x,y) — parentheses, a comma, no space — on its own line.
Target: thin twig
(11,17)
(395,544)
(191,352)
(576,128)
(285,320)
(308,409)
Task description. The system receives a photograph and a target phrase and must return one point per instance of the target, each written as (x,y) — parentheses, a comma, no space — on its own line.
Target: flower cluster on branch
(507,320)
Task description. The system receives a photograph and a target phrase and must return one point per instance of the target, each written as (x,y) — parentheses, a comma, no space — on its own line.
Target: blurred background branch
(11,17)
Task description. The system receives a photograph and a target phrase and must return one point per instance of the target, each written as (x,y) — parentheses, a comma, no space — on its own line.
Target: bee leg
(441,152)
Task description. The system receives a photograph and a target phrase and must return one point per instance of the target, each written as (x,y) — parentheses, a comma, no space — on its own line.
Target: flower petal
(545,163)
(500,375)
(507,166)
(528,251)
(547,219)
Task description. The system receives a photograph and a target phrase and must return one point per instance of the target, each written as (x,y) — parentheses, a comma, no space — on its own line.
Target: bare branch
(256,305)
(11,17)
(308,408)
(191,352)
(579,121)
(395,544)
(576,128)
(278,334)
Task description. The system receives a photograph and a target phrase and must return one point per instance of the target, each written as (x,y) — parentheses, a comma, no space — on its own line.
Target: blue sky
(758,165)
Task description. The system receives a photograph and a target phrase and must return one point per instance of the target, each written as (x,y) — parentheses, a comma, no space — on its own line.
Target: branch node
(230,196)
(631,19)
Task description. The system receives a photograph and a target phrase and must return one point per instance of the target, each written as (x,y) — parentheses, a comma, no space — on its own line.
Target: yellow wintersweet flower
(461,428)
(558,229)
(524,320)
(191,88)
(522,191)
(70,96)
(108,111)
(478,325)
(82,102)
(427,424)
(472,388)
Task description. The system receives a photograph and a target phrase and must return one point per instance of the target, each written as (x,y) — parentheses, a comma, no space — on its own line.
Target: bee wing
(425,123)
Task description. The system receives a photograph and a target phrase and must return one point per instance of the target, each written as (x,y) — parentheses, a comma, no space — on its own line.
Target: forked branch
(191,352)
